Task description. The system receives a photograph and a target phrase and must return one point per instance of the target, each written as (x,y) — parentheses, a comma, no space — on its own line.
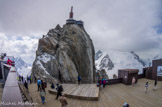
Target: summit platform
(82,91)
(110,96)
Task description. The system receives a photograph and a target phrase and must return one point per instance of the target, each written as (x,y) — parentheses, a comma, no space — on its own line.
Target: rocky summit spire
(64,53)
(71,13)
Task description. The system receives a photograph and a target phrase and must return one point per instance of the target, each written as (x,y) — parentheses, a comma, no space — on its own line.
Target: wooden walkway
(82,91)
(111,96)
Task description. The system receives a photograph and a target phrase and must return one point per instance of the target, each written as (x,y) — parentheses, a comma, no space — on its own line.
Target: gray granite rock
(64,53)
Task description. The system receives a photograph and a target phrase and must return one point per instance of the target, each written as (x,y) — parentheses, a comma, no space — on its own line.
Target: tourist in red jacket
(9,62)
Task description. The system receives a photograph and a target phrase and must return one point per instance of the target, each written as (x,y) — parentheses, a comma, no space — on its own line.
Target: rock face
(106,63)
(64,53)
(138,58)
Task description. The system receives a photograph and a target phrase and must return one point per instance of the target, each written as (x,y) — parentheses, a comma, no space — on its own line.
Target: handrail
(11,93)
(25,93)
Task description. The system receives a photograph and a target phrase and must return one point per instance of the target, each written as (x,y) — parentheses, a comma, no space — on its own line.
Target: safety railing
(25,93)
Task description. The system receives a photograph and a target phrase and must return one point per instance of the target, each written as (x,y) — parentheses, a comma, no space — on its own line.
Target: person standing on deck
(35,79)
(26,86)
(39,84)
(79,79)
(146,87)
(104,83)
(59,91)
(44,85)
(22,79)
(133,81)
(57,86)
(19,78)
(52,86)
(155,85)
(42,95)
(30,79)
(63,101)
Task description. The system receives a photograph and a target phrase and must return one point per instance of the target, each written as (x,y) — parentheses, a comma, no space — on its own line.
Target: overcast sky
(124,25)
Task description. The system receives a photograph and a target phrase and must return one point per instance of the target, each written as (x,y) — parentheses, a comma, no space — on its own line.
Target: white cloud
(24,48)
(112,24)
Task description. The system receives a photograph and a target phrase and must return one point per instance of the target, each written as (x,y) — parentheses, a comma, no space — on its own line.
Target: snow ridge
(113,60)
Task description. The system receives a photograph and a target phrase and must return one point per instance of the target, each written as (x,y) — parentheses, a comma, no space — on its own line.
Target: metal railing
(25,93)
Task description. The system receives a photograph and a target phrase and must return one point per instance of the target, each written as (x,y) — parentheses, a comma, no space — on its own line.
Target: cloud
(112,24)
(24,47)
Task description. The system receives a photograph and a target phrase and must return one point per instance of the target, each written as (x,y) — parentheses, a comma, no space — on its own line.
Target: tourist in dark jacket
(146,87)
(52,86)
(28,79)
(104,83)
(43,85)
(57,86)
(22,79)
(79,79)
(155,85)
(26,85)
(59,91)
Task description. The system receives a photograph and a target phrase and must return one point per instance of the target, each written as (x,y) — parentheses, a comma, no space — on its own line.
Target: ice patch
(45,57)
(41,66)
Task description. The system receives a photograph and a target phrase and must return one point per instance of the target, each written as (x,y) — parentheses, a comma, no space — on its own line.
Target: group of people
(28,79)
(24,81)
(146,85)
(101,82)
(42,85)
(60,95)
(154,88)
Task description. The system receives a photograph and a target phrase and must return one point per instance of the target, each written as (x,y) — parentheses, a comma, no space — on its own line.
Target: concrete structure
(155,65)
(147,72)
(127,75)
(153,71)
(72,21)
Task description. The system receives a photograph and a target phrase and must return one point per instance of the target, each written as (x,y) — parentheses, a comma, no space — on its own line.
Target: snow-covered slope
(22,67)
(19,63)
(112,60)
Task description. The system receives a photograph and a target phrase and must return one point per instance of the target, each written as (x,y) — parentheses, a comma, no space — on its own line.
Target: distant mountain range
(112,60)
(20,63)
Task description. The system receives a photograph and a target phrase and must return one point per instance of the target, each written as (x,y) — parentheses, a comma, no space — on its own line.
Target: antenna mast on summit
(71,13)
